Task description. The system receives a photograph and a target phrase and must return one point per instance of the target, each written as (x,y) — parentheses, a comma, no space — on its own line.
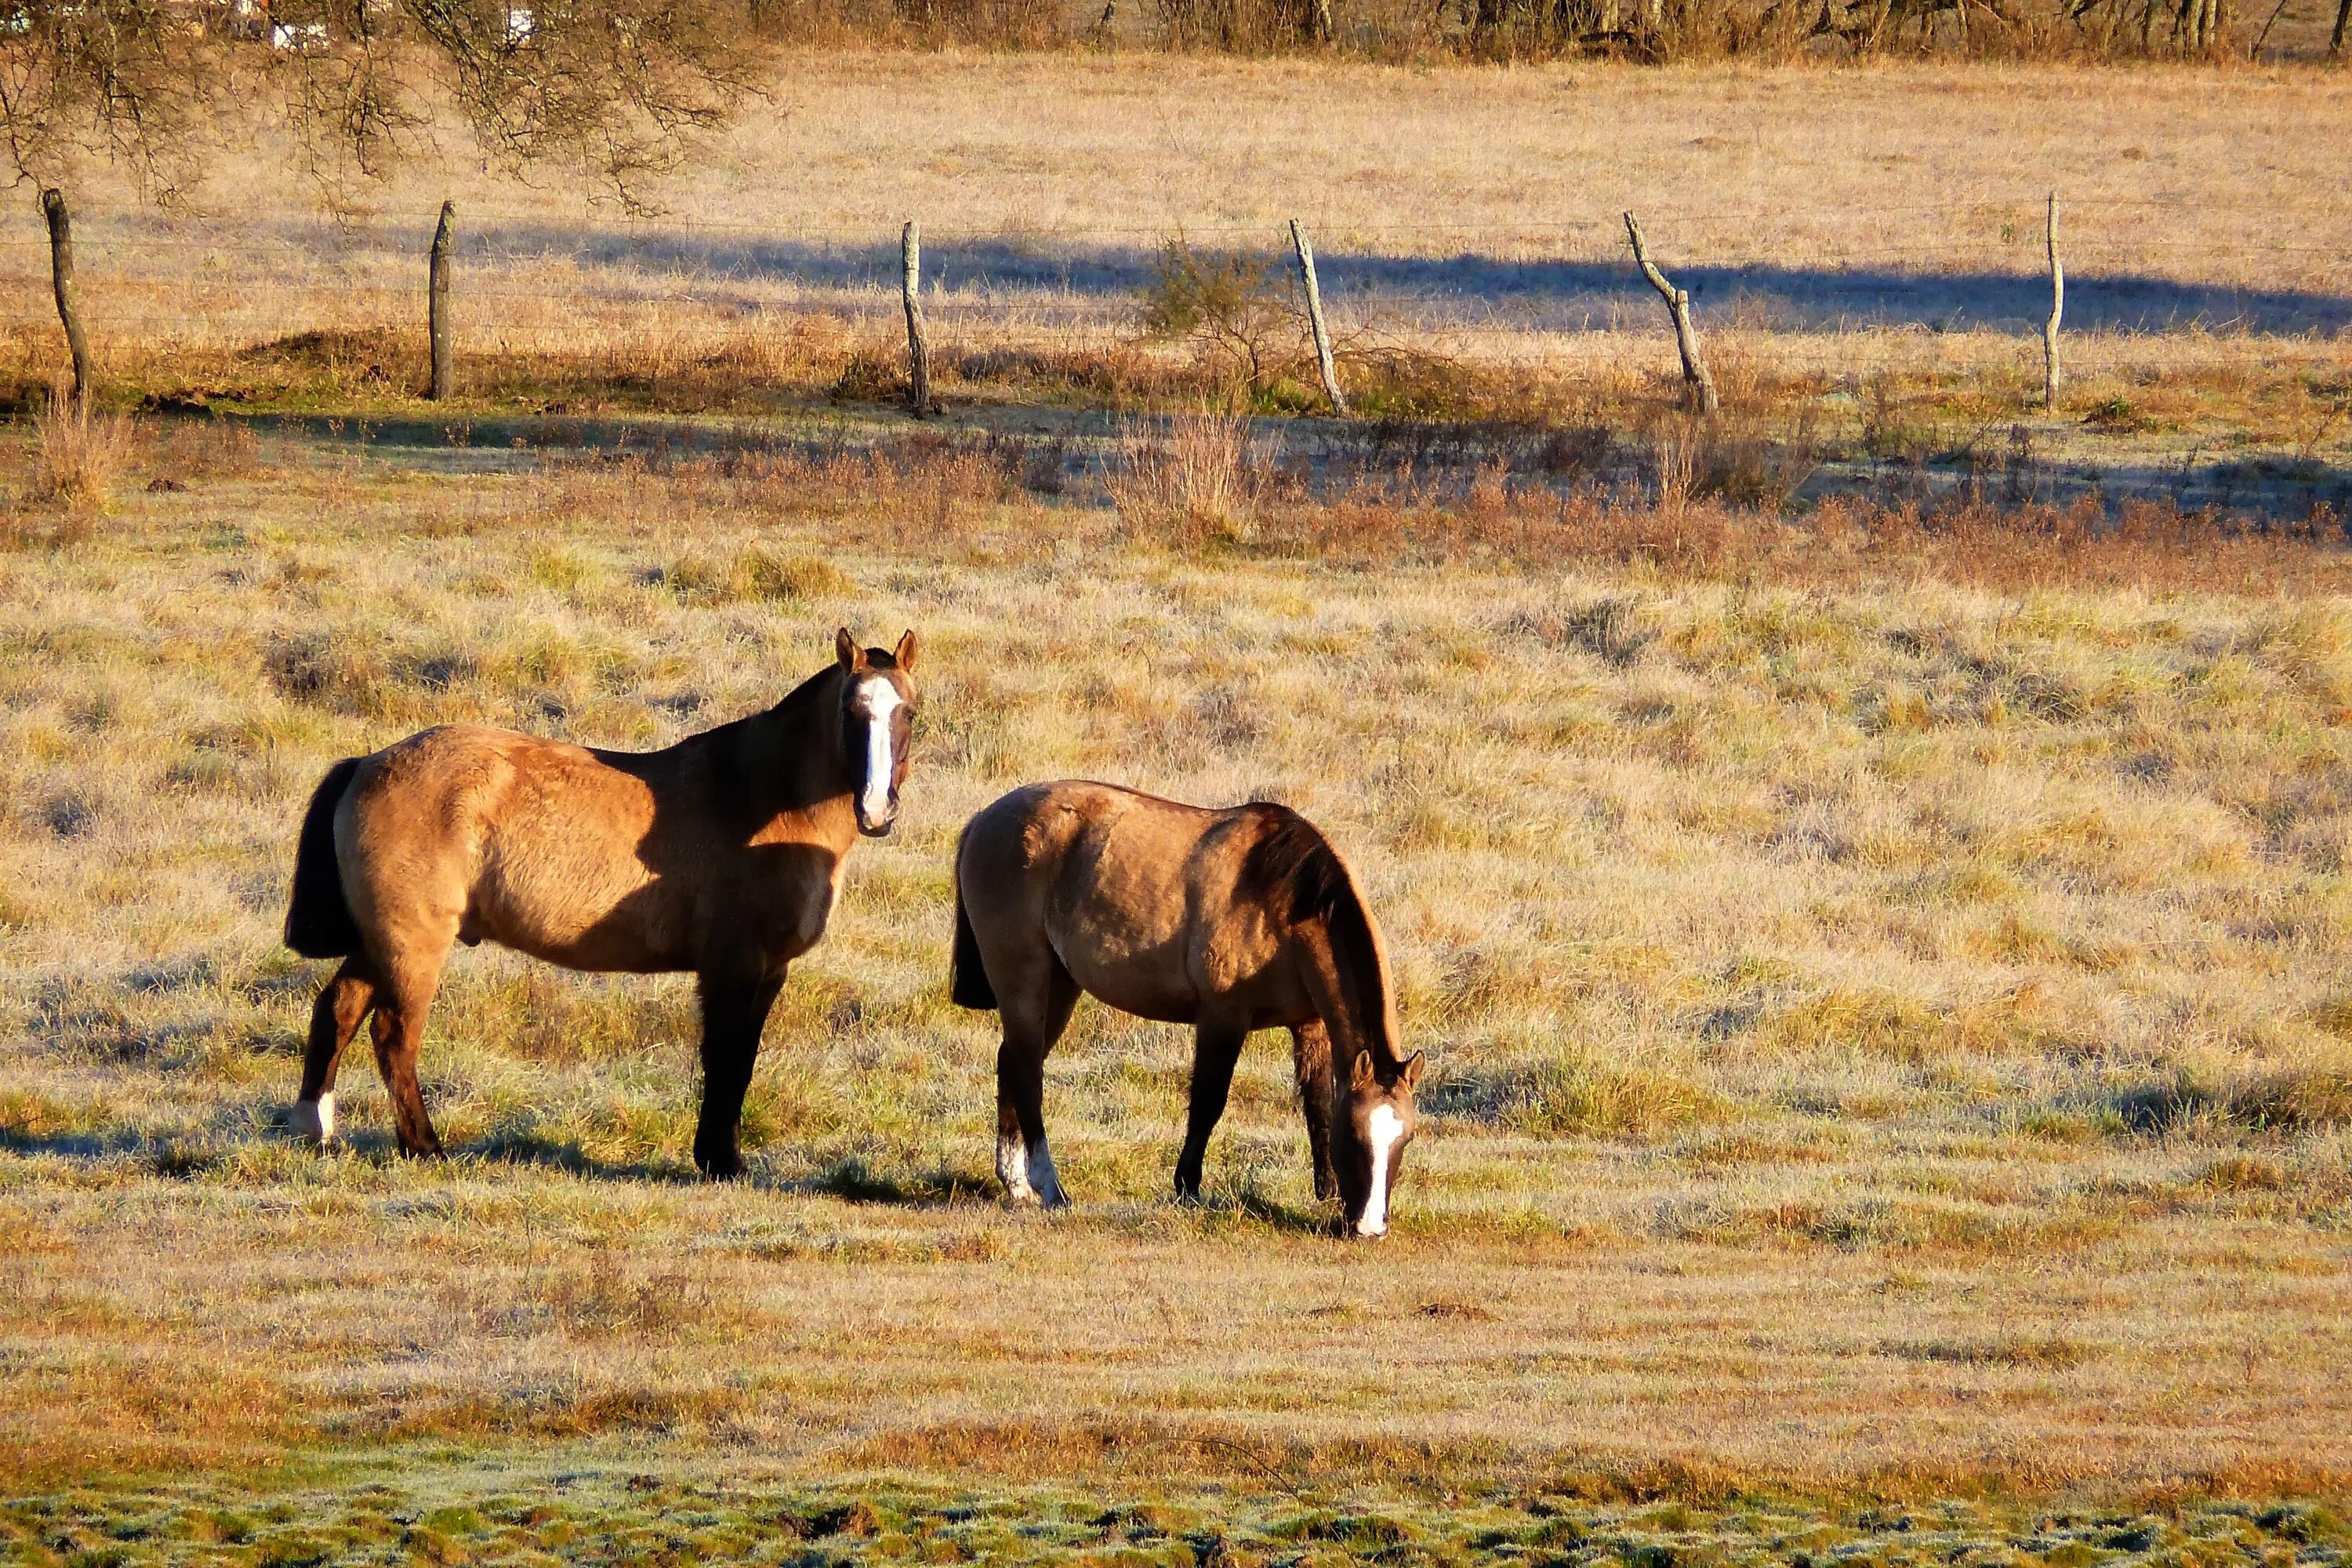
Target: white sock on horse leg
(1043,1176)
(1013,1168)
(315,1118)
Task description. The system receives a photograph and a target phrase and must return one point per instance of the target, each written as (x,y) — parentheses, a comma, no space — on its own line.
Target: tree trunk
(62,279)
(445,353)
(2343,26)
(2057,314)
(1315,319)
(918,338)
(1698,384)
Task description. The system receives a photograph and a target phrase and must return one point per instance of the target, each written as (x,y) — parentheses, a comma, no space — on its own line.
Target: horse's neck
(795,755)
(1352,972)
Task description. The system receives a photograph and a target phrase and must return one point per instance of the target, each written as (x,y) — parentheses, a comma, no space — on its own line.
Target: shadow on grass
(1251,1204)
(852,1180)
(521,1147)
(2108,293)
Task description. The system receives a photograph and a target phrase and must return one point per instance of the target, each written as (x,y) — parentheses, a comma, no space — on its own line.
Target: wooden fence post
(1315,319)
(445,357)
(62,279)
(918,341)
(1695,380)
(2254,53)
(2057,310)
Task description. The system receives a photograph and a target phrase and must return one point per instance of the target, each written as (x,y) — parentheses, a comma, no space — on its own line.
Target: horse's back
(1133,894)
(494,835)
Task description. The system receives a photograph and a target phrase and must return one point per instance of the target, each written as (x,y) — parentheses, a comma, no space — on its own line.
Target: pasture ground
(1884,970)
(1888,1014)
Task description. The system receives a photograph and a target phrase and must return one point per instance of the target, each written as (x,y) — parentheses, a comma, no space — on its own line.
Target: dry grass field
(1888,1019)
(1883,963)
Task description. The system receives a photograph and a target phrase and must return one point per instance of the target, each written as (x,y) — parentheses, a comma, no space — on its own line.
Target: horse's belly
(1147,984)
(599,918)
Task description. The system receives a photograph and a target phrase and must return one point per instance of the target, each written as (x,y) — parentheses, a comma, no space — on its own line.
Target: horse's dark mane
(1296,869)
(1293,866)
(806,691)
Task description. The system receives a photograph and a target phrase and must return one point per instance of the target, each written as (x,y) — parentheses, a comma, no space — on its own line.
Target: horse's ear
(1411,1076)
(1362,1077)
(846,649)
(904,656)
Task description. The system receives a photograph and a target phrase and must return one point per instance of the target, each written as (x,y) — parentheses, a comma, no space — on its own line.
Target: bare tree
(123,80)
(617,88)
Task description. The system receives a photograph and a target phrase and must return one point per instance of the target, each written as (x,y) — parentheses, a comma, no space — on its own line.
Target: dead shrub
(870,376)
(83,454)
(1199,480)
(325,671)
(1237,313)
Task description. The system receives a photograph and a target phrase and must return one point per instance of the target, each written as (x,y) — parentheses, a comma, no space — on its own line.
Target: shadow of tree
(1562,295)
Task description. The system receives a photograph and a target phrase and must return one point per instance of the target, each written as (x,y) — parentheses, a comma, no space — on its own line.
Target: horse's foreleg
(1034,1017)
(1310,1054)
(1214,1052)
(343,1003)
(734,1012)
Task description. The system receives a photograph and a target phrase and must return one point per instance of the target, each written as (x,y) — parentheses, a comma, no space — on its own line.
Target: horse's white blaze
(1386,1127)
(315,1118)
(877,701)
(1043,1176)
(1013,1168)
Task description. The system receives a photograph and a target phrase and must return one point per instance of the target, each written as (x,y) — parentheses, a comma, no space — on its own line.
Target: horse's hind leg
(402,1000)
(1215,1049)
(343,1003)
(1035,1012)
(1310,1055)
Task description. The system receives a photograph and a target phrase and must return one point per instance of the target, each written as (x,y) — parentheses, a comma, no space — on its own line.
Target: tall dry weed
(1200,479)
(83,454)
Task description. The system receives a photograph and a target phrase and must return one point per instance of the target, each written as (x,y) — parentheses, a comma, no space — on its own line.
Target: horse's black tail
(318,922)
(968,984)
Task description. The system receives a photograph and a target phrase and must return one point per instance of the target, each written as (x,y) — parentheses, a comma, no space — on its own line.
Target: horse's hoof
(313,1120)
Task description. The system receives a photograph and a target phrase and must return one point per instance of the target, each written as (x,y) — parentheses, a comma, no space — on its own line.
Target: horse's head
(878,717)
(1375,1122)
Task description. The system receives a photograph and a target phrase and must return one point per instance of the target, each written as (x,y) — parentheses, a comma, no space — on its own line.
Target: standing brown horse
(1228,920)
(720,854)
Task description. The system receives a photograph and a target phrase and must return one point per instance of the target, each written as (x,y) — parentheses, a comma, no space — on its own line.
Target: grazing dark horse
(1228,920)
(720,854)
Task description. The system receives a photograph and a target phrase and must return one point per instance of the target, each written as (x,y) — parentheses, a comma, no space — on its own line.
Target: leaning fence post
(2057,310)
(1315,319)
(918,341)
(61,277)
(1695,380)
(444,359)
